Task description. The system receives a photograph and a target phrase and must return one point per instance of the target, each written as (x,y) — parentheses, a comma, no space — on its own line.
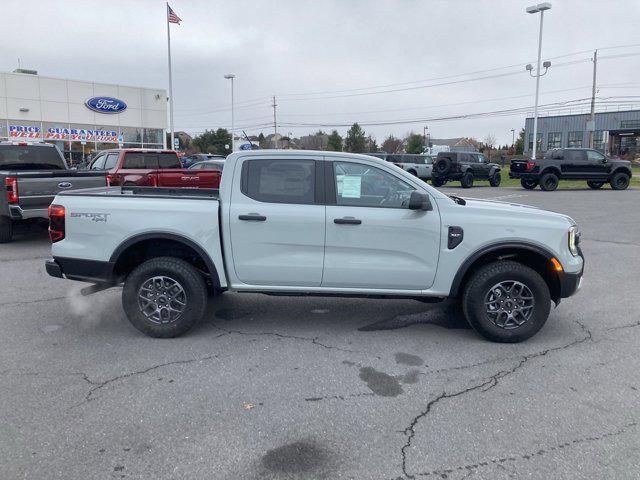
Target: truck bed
(147,192)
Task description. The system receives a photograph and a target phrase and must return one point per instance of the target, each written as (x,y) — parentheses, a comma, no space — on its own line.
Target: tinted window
(30,157)
(480,158)
(134,160)
(196,166)
(169,160)
(365,186)
(571,155)
(279,181)
(111,161)
(98,163)
(595,156)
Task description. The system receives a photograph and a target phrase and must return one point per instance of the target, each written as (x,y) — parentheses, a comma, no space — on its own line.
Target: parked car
(155,168)
(465,167)
(208,165)
(416,164)
(304,223)
(189,160)
(32,174)
(571,164)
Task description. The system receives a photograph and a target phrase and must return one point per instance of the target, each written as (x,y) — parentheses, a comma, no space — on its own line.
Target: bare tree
(489,142)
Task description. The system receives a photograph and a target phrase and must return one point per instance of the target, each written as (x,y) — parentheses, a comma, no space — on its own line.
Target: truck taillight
(11,186)
(530,166)
(56,223)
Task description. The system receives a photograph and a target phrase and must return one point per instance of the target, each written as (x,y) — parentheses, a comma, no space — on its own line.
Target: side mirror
(419,201)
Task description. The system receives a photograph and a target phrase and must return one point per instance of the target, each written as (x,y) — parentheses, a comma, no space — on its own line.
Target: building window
(132,135)
(539,142)
(152,135)
(598,140)
(575,140)
(630,124)
(554,140)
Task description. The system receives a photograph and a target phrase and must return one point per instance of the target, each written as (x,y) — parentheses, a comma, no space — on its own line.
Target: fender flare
(471,259)
(215,278)
(621,168)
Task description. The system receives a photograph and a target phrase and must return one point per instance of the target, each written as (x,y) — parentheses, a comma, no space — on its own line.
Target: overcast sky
(295,49)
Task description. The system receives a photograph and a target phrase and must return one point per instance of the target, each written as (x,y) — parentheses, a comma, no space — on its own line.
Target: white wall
(58,100)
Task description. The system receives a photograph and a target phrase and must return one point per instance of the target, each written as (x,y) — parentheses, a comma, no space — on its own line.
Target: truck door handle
(253,217)
(347,221)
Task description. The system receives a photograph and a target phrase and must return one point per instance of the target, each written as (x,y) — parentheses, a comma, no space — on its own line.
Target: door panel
(274,240)
(370,245)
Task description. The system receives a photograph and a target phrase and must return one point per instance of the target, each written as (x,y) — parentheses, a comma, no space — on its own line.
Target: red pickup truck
(151,168)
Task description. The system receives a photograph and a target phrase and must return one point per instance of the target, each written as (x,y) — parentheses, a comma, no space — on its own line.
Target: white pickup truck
(315,223)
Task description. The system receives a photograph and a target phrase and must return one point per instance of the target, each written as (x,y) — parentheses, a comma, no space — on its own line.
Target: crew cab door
(277,221)
(373,240)
(597,164)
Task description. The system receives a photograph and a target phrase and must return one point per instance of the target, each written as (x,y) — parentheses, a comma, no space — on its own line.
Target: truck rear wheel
(495,180)
(595,185)
(506,302)
(437,182)
(6,230)
(549,182)
(164,297)
(467,180)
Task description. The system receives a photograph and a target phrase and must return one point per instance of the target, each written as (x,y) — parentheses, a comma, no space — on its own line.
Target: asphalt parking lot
(306,388)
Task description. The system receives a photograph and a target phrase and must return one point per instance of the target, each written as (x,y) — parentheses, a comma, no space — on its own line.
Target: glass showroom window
(152,137)
(575,140)
(3,130)
(132,136)
(598,140)
(554,140)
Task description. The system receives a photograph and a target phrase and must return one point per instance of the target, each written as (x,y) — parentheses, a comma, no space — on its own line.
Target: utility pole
(513,138)
(424,139)
(593,100)
(275,123)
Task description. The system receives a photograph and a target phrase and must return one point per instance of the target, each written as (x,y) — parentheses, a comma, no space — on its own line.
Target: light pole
(513,139)
(541,7)
(231,76)
(424,138)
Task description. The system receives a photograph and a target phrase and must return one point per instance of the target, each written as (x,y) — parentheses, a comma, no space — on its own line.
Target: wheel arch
(553,169)
(532,255)
(140,248)
(622,169)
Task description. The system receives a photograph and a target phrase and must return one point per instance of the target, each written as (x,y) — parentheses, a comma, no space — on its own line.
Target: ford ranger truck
(31,175)
(152,168)
(315,223)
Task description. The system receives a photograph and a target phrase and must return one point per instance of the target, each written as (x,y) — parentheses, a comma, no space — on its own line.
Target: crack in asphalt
(620,327)
(473,467)
(613,242)
(40,300)
(313,340)
(339,397)
(99,385)
(485,385)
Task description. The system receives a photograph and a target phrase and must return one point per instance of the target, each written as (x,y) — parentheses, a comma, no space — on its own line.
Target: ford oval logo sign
(65,185)
(106,105)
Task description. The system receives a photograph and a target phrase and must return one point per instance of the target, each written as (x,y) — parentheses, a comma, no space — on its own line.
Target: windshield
(30,157)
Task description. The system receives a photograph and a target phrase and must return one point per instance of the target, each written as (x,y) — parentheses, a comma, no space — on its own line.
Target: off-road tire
(188,278)
(528,183)
(495,180)
(442,166)
(620,181)
(6,230)
(594,185)
(467,180)
(413,172)
(549,182)
(437,182)
(479,286)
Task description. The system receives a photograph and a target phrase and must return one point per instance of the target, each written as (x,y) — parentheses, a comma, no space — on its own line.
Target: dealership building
(614,133)
(80,117)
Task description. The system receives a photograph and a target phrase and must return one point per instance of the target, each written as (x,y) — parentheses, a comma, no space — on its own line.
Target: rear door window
(168,160)
(279,181)
(134,161)
(98,163)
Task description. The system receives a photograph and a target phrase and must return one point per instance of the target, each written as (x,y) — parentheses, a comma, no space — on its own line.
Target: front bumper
(570,283)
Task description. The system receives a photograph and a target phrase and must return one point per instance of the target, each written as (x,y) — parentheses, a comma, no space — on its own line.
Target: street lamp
(424,138)
(231,76)
(541,7)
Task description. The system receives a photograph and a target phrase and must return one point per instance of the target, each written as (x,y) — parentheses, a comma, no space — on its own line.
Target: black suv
(466,167)
(571,164)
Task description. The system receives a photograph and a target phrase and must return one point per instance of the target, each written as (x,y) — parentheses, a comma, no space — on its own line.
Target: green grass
(566,184)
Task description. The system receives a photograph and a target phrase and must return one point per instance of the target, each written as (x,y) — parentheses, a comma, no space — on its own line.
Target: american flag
(172,17)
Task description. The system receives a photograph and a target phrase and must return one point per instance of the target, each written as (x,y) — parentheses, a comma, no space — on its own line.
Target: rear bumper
(18,213)
(529,176)
(93,271)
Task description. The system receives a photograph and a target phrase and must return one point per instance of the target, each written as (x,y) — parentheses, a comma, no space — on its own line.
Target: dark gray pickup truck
(32,174)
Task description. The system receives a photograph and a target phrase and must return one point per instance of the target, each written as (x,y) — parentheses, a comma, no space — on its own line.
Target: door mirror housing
(419,201)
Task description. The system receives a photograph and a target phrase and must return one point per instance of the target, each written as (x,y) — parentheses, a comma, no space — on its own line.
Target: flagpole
(170,80)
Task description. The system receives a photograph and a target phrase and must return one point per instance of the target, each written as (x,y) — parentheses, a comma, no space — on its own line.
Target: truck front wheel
(528,183)
(506,301)
(164,297)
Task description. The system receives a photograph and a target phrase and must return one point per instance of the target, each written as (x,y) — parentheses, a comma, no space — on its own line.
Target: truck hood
(509,209)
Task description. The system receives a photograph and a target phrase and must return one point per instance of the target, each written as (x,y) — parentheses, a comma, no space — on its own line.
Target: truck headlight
(574,240)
